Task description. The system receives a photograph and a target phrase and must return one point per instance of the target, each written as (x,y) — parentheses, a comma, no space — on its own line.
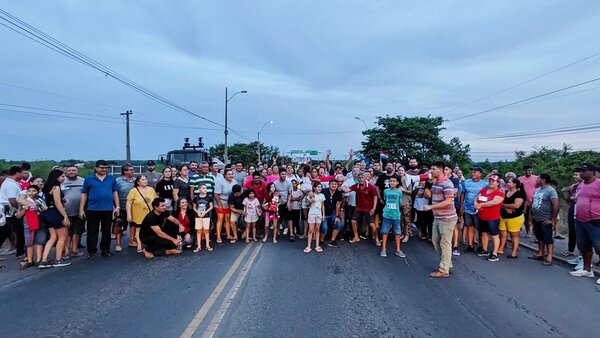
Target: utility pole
(128,146)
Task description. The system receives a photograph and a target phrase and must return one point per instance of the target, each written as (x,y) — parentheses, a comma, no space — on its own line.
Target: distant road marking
(218,318)
(199,317)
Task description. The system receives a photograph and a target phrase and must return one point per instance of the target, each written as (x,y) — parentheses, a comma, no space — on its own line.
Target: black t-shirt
(203,203)
(511,200)
(184,189)
(331,200)
(383,182)
(237,202)
(152,219)
(164,189)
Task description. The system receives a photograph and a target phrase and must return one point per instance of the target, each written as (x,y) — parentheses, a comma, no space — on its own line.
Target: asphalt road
(262,290)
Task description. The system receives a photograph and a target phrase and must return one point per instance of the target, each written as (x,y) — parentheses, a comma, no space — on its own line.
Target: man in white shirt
(9,193)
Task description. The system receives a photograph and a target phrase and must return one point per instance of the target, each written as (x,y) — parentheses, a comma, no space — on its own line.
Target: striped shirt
(207,180)
(440,191)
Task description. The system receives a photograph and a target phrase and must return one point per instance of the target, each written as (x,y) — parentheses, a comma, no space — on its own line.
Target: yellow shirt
(139,209)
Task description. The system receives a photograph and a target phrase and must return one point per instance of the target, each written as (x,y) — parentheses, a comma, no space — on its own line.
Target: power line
(46,40)
(60,95)
(523,82)
(578,129)
(525,100)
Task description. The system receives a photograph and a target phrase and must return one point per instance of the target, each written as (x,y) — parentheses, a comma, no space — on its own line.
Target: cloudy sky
(310,66)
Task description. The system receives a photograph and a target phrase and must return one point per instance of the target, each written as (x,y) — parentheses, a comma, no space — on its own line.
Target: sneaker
(400,254)
(106,254)
(285,231)
(493,258)
(44,265)
(60,263)
(455,252)
(479,250)
(333,244)
(483,253)
(92,256)
(575,260)
(598,281)
(405,239)
(118,248)
(470,248)
(383,254)
(578,266)
(582,273)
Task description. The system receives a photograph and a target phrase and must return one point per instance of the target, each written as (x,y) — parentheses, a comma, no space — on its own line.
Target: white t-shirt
(223,188)
(296,204)
(251,206)
(351,195)
(317,205)
(9,189)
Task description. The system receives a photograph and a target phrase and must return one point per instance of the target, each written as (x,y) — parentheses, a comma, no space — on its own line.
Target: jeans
(443,229)
(330,220)
(96,221)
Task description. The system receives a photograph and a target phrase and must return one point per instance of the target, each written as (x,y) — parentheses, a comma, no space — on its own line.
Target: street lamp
(363,121)
(227,99)
(258,138)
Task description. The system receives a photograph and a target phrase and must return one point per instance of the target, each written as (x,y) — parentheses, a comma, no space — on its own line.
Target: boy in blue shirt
(391,216)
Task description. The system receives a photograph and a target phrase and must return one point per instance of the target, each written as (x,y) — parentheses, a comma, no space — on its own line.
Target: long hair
(52,180)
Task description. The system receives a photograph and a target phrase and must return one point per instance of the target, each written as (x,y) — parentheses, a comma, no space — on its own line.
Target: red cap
(494,178)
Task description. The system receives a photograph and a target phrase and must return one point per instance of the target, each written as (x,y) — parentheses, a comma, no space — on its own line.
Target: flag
(384,156)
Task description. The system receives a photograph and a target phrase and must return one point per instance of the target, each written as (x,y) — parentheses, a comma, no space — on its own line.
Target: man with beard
(412,173)
(151,174)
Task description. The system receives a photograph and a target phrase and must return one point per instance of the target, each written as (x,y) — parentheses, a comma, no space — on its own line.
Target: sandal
(307,250)
(568,254)
(25,265)
(232,241)
(536,258)
(354,240)
(319,249)
(140,250)
(198,249)
(219,241)
(377,243)
(209,249)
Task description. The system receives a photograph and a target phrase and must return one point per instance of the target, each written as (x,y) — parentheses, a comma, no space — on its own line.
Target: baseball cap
(494,178)
(585,166)
(150,162)
(477,169)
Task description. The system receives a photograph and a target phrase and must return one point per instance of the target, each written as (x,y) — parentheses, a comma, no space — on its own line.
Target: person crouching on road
(187,218)
(158,236)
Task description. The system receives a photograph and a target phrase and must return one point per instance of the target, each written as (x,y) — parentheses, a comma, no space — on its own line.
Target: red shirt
(185,221)
(24,184)
(365,196)
(259,190)
(489,213)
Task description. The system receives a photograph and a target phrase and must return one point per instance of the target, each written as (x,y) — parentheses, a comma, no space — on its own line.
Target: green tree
(245,152)
(407,137)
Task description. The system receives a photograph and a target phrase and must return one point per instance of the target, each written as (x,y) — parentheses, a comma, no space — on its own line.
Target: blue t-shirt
(99,193)
(471,189)
(456,182)
(393,199)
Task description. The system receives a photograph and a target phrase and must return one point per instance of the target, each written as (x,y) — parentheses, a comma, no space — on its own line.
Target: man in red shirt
(366,202)
(258,185)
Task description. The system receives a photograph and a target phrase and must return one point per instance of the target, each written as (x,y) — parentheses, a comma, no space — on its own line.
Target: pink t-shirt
(588,201)
(529,183)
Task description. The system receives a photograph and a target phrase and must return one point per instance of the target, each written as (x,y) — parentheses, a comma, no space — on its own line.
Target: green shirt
(393,199)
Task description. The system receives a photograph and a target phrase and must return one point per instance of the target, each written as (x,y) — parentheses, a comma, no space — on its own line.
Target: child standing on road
(271,207)
(203,205)
(316,213)
(391,216)
(252,212)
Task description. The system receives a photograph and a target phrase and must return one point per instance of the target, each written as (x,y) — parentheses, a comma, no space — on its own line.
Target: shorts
(135,225)
(492,227)
(53,218)
(202,223)
(588,236)
(362,216)
(315,219)
(269,216)
(284,213)
(234,217)
(77,226)
(512,224)
(389,224)
(543,232)
(224,211)
(330,220)
(251,218)
(471,220)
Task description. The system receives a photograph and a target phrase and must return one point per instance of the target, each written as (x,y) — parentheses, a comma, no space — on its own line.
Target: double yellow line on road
(208,304)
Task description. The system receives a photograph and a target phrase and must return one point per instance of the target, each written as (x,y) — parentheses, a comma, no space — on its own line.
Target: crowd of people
(189,206)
